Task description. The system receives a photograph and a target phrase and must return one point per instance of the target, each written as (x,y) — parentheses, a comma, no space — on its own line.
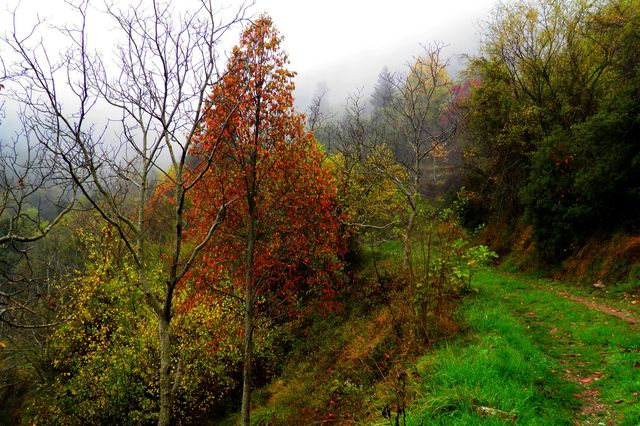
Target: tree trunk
(248,360)
(249,283)
(406,246)
(406,261)
(408,270)
(249,312)
(166,396)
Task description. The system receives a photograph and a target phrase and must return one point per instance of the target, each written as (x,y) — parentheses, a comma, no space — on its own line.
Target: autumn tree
(114,121)
(98,364)
(556,54)
(279,239)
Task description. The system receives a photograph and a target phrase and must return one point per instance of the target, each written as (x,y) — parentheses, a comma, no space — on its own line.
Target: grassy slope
(532,355)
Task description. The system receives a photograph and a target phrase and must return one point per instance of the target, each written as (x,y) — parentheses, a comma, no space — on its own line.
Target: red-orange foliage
(273,169)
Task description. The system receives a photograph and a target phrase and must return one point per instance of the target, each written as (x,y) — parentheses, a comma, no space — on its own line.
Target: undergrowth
(346,368)
(524,356)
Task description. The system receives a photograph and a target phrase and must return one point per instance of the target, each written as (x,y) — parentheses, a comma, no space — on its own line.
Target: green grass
(515,356)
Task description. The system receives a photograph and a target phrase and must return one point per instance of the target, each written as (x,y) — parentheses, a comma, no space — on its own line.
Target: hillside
(525,351)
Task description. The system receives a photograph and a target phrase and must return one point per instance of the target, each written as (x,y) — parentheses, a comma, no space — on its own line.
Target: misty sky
(340,44)
(345,43)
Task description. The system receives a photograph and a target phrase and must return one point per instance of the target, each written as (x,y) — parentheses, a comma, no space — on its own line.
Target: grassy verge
(531,357)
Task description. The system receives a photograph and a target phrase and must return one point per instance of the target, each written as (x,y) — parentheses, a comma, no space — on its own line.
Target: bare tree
(420,115)
(32,203)
(24,174)
(316,117)
(114,123)
(354,129)
(359,143)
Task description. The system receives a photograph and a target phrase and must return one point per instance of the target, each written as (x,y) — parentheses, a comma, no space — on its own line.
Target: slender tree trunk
(407,256)
(413,203)
(166,397)
(163,316)
(406,246)
(248,360)
(428,285)
(427,274)
(250,284)
(249,313)
(407,262)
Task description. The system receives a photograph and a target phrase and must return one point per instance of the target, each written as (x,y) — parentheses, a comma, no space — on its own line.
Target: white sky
(345,43)
(342,44)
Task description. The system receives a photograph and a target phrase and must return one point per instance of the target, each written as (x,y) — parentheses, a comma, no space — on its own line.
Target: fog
(336,44)
(344,45)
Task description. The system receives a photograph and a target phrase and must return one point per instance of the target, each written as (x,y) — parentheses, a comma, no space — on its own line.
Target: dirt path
(593,411)
(618,313)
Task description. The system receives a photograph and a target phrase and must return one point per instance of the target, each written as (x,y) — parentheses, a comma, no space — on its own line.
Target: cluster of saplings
(201,228)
